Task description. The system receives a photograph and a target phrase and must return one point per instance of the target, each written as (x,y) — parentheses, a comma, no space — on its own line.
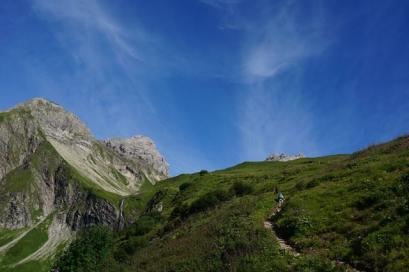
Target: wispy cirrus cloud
(86,17)
(104,55)
(281,41)
(275,115)
(108,67)
(221,3)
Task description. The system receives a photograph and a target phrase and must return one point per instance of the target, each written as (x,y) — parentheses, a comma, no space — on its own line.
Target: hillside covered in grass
(341,213)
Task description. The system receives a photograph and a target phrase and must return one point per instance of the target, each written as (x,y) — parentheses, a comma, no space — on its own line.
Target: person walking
(280,197)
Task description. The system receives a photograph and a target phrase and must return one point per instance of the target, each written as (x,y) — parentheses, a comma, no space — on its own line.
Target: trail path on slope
(269,224)
(282,243)
(10,244)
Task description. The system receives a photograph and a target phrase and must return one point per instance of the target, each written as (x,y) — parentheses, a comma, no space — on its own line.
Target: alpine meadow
(204,136)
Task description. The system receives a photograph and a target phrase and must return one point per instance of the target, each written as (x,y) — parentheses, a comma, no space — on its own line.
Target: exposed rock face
(82,208)
(143,149)
(57,123)
(15,215)
(283,157)
(19,138)
(96,211)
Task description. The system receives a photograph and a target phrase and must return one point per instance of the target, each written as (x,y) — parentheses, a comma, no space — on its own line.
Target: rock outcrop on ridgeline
(143,150)
(283,157)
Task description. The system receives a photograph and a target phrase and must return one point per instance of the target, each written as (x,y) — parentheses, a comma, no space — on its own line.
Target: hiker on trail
(280,198)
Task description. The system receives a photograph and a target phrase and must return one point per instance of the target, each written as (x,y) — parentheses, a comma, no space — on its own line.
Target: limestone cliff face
(19,137)
(141,149)
(52,166)
(57,123)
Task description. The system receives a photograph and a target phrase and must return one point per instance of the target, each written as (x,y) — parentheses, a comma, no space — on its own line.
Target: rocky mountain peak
(141,148)
(55,121)
(284,157)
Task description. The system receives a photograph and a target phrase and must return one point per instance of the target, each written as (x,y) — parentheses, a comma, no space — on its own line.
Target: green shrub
(368,201)
(184,186)
(171,225)
(205,202)
(240,189)
(402,186)
(405,178)
(221,195)
(88,252)
(314,264)
(133,244)
(181,210)
(208,201)
(403,209)
(142,226)
(293,225)
(203,172)
(312,184)
(300,186)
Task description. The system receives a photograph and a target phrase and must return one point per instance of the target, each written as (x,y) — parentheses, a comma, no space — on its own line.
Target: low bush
(240,189)
(300,186)
(205,202)
(182,210)
(142,226)
(133,244)
(88,252)
(184,186)
(208,201)
(314,264)
(203,172)
(294,225)
(368,201)
(312,184)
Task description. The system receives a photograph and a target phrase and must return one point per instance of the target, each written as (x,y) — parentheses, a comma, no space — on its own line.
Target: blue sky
(215,82)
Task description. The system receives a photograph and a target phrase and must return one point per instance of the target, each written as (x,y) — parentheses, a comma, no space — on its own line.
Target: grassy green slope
(7,235)
(349,208)
(32,241)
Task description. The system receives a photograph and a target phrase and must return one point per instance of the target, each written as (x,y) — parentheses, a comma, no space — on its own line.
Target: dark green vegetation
(89,252)
(2,116)
(349,208)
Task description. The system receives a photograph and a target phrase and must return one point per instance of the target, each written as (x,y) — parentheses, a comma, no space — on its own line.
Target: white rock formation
(142,149)
(283,157)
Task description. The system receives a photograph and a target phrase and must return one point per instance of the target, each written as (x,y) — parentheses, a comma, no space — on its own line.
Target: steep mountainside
(341,213)
(56,179)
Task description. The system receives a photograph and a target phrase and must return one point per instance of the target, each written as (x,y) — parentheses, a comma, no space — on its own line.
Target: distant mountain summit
(55,176)
(283,157)
(143,149)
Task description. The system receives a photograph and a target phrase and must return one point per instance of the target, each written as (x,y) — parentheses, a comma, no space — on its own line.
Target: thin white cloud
(221,4)
(280,42)
(275,116)
(94,38)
